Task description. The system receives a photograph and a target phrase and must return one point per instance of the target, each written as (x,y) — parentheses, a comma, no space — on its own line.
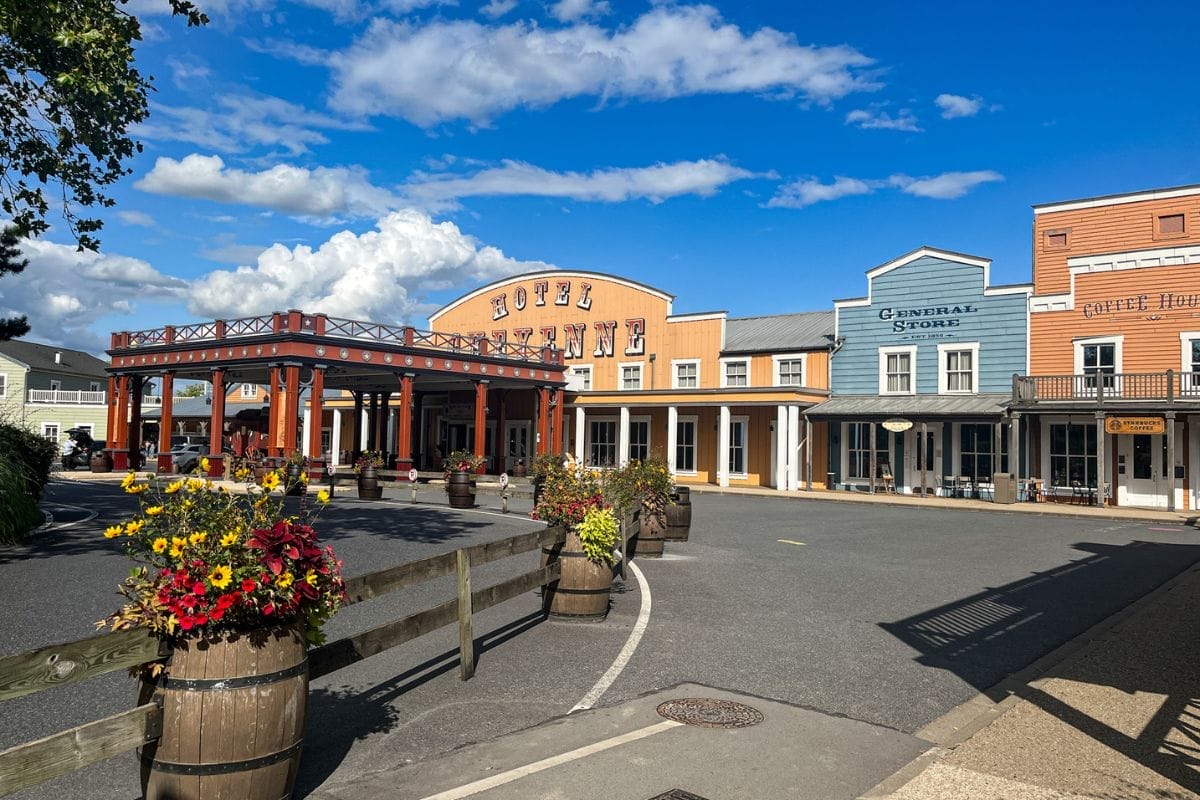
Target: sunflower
(113,531)
(199,537)
(128,480)
(220,576)
(323,497)
(270,481)
(229,539)
(285,580)
(159,545)
(205,465)
(174,486)
(133,527)
(154,511)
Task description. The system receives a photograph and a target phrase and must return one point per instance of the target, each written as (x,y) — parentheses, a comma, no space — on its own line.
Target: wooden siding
(1148,321)
(997,324)
(816,369)
(1114,228)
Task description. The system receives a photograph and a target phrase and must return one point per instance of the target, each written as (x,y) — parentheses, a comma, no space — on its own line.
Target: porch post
(356,426)
(500,443)
(316,407)
(121,426)
(384,416)
(216,426)
(291,408)
(781,448)
(808,450)
(480,447)
(543,420)
(110,431)
(135,420)
(1170,460)
(1100,453)
(373,423)
(404,424)
(335,439)
(580,433)
(1014,444)
(872,460)
(165,421)
(560,443)
(672,437)
(623,438)
(274,429)
(923,456)
(793,446)
(723,447)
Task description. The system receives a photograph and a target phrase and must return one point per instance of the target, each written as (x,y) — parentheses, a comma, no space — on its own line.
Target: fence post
(624,546)
(466,638)
(504,501)
(413,501)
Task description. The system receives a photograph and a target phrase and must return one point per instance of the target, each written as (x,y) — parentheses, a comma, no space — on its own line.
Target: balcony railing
(1169,387)
(66,398)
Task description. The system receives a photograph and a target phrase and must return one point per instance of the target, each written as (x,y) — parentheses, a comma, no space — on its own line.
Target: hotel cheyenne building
(721,399)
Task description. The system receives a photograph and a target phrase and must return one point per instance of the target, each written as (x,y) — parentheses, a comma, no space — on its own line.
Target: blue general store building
(921,377)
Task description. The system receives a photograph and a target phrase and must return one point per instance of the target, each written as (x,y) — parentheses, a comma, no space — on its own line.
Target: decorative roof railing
(1103,387)
(322,325)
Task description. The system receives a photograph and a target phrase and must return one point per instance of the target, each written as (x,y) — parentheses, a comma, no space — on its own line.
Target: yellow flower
(199,537)
(270,481)
(195,484)
(304,477)
(154,511)
(177,545)
(285,580)
(311,578)
(220,576)
(323,497)
(134,527)
(205,465)
(128,480)
(186,504)
(160,545)
(141,487)
(229,539)
(113,531)
(242,473)
(174,486)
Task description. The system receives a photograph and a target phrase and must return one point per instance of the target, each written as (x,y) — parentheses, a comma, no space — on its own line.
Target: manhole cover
(709,713)
(677,794)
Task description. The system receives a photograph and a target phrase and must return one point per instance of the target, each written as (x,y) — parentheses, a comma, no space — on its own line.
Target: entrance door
(516,443)
(1144,479)
(460,436)
(922,451)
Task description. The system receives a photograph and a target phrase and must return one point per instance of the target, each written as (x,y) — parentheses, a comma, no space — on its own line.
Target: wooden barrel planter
(583,587)
(679,516)
(101,461)
(293,479)
(536,482)
(461,490)
(649,542)
(368,484)
(233,718)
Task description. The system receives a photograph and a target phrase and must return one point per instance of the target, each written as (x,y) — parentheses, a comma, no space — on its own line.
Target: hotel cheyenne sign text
(542,293)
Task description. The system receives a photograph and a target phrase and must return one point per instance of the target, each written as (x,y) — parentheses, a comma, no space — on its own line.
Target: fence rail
(72,397)
(21,674)
(1101,387)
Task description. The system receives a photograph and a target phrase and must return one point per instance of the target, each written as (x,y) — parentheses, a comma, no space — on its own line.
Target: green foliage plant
(646,483)
(599,533)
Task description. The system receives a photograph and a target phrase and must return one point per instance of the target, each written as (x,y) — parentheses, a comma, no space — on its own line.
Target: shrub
(24,472)
(18,510)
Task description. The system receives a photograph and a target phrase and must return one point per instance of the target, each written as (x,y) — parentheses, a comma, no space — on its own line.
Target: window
(50,431)
(1190,362)
(582,378)
(858,450)
(3,385)
(1072,454)
(55,386)
(639,439)
(687,374)
(602,449)
(896,368)
(738,428)
(94,386)
(959,372)
(249,391)
(1098,359)
(631,376)
(735,373)
(976,451)
(85,426)
(789,369)
(685,445)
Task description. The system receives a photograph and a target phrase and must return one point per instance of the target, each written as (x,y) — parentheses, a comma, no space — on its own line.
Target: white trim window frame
(1189,362)
(1089,371)
(94,386)
(584,369)
(55,385)
(777,362)
(950,355)
(3,385)
(612,446)
(678,381)
(643,448)
(744,423)
(886,372)
(693,445)
(249,391)
(56,427)
(621,382)
(726,363)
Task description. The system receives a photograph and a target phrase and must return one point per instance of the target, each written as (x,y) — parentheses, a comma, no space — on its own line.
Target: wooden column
(404,424)
(121,426)
(1170,465)
(110,432)
(872,459)
(500,444)
(216,423)
(356,444)
(274,426)
(556,435)
(1014,445)
(382,425)
(291,407)
(1100,434)
(165,421)
(316,407)
(481,388)
(135,420)
(373,423)
(543,420)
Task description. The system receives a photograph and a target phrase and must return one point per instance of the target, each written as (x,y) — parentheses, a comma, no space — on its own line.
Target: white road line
(592,697)
(546,763)
(91,515)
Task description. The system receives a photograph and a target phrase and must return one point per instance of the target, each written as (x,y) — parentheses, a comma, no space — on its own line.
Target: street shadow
(987,637)
(337,718)
(410,524)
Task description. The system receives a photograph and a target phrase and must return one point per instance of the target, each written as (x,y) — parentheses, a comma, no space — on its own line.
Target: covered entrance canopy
(293,352)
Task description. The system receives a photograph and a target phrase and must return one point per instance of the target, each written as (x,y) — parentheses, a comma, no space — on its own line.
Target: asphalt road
(887,615)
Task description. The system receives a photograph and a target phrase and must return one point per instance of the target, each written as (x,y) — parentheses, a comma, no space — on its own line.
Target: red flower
(268,609)
(199,588)
(248,585)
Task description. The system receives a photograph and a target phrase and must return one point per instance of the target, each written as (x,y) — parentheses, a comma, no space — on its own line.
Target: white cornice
(1118,199)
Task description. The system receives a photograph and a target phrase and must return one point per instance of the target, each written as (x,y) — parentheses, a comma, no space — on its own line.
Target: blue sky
(376,158)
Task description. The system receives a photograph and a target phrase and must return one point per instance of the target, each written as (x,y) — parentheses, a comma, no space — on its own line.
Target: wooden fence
(58,665)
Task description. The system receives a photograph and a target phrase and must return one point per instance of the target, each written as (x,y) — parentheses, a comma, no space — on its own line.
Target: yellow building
(722,399)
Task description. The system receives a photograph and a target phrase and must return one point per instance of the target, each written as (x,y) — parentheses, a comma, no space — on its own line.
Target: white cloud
(185,72)
(461,69)
(64,291)
(494,9)
(611,185)
(239,122)
(139,218)
(947,186)
(572,10)
(805,192)
(324,192)
(378,275)
(955,105)
(875,119)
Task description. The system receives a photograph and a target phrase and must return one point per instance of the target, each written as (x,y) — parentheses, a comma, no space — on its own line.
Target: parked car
(185,457)
(81,448)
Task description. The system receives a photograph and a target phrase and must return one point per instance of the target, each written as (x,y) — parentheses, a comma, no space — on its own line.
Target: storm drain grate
(706,712)
(677,794)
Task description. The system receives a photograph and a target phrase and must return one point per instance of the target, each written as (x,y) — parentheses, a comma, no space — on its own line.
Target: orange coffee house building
(721,399)
(1113,392)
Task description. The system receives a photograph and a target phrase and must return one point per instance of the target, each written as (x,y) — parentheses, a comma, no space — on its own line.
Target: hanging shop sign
(1131,425)
(897,425)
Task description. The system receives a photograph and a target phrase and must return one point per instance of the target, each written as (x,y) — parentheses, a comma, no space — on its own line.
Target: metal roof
(913,405)
(40,358)
(808,330)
